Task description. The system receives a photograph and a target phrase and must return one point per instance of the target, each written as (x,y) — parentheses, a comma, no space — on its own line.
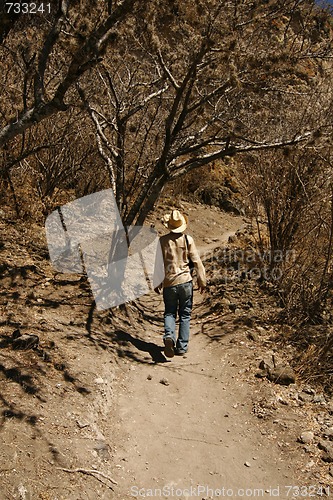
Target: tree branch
(167,71)
(50,41)
(192,163)
(83,59)
(91,472)
(142,104)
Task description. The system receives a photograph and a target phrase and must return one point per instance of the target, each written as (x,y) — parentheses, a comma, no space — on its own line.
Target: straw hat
(176,222)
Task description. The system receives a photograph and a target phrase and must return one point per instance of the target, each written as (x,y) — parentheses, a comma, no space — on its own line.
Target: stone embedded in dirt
(327,447)
(319,398)
(81,425)
(252,335)
(99,381)
(307,449)
(149,377)
(24,341)
(247,464)
(323,444)
(309,390)
(328,433)
(266,364)
(225,301)
(261,330)
(102,450)
(22,491)
(283,375)
(327,457)
(306,437)
(16,333)
(261,374)
(164,381)
(282,401)
(305,397)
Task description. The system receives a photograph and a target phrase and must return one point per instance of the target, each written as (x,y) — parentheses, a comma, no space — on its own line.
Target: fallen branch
(91,473)
(198,440)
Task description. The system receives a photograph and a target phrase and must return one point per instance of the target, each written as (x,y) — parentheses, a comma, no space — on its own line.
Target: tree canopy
(143,93)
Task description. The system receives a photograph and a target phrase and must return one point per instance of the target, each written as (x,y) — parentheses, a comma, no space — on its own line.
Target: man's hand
(202,289)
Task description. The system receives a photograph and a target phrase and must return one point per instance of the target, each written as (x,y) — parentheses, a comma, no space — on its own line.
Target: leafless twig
(89,472)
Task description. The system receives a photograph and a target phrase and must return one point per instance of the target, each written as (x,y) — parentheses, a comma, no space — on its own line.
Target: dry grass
(313,359)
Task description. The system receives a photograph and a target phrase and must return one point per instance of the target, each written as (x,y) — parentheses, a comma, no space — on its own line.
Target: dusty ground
(99,412)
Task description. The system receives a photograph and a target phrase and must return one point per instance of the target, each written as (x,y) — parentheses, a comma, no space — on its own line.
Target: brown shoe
(179,352)
(169,350)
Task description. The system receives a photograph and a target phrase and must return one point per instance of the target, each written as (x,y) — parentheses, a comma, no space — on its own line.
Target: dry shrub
(58,165)
(313,359)
(290,196)
(214,184)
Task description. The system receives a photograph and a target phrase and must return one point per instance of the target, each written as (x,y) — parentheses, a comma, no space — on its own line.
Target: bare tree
(170,87)
(53,59)
(191,84)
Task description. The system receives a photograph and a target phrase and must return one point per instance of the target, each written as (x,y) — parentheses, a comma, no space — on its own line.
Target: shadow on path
(155,351)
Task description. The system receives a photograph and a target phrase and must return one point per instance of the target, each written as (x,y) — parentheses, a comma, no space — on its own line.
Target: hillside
(220,109)
(96,410)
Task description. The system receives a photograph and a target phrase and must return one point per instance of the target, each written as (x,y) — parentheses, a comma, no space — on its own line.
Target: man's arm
(158,269)
(198,265)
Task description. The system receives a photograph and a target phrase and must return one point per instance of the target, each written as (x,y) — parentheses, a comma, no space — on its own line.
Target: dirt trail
(185,427)
(197,430)
(101,403)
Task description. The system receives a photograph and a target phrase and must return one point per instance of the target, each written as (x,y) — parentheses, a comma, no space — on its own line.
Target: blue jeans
(178,298)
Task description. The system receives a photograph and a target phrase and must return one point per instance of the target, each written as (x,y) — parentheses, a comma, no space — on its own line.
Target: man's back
(176,253)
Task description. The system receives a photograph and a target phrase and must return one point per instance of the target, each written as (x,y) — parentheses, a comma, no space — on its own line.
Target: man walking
(178,252)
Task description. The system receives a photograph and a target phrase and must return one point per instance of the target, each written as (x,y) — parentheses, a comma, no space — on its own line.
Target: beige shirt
(176,255)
